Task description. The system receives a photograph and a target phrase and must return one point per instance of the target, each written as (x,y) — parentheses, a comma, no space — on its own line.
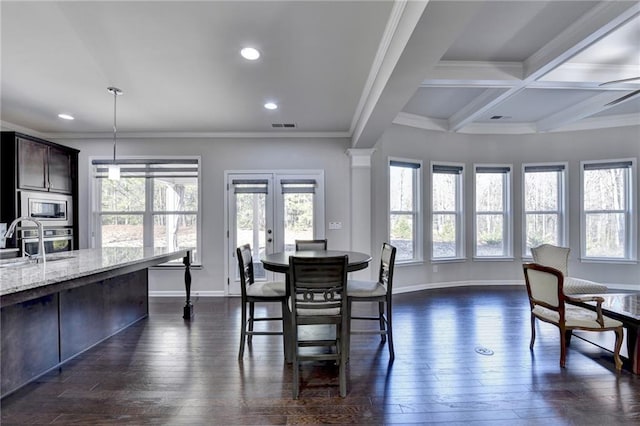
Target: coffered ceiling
(335,68)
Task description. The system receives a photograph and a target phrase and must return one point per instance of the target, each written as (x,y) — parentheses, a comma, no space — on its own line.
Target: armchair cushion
(574,285)
(575,316)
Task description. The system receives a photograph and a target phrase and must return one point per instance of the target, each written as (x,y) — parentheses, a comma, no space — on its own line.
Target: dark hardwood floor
(165,371)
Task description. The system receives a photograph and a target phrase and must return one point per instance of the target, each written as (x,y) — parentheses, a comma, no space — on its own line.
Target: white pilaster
(361,206)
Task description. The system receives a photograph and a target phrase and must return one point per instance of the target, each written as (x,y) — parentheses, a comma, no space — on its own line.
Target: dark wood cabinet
(44,167)
(32,164)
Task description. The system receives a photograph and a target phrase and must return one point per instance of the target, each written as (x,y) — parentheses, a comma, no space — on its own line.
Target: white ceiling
(336,68)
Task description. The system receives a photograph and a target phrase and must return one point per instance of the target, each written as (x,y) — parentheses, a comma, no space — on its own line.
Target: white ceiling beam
(423,35)
(420,122)
(600,21)
(578,111)
(490,71)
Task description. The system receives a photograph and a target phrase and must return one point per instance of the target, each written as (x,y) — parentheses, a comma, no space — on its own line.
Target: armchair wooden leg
(616,353)
(567,337)
(533,332)
(563,346)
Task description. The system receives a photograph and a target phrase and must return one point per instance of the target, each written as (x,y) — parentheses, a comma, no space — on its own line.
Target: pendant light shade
(114,169)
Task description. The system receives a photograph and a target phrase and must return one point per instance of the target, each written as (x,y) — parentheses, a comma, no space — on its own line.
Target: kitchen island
(54,311)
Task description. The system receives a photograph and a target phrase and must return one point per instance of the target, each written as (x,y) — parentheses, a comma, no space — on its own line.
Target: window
(493,222)
(608,216)
(447,221)
(544,206)
(405,215)
(153,204)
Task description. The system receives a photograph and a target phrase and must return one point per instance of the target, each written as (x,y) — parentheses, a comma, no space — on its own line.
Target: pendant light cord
(115,128)
(116,92)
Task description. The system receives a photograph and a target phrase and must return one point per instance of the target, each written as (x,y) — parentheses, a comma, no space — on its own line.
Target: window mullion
(148,214)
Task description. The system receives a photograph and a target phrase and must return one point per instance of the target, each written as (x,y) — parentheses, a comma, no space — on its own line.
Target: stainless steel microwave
(50,209)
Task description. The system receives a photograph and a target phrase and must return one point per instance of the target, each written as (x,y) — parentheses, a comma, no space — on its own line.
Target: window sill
(608,260)
(449,260)
(494,259)
(410,263)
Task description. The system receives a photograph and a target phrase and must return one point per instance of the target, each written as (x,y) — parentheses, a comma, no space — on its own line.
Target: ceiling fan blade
(624,80)
(623,98)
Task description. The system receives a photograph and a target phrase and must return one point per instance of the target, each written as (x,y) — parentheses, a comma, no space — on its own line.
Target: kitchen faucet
(12,227)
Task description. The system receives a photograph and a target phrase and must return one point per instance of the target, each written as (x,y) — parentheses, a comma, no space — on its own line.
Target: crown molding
(594,123)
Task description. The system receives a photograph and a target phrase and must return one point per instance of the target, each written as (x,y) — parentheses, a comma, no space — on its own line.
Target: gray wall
(217,156)
(572,147)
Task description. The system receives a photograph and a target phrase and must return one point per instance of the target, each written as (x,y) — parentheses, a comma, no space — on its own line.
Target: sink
(25,262)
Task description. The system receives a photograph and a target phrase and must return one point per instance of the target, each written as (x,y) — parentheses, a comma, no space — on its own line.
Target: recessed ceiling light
(65,116)
(250,53)
(270,105)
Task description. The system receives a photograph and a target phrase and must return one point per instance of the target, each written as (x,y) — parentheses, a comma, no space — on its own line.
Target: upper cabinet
(40,165)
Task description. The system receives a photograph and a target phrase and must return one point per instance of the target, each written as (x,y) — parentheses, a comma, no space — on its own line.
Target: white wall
(406,142)
(218,155)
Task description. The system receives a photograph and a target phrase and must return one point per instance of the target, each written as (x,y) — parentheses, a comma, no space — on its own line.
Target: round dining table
(279,262)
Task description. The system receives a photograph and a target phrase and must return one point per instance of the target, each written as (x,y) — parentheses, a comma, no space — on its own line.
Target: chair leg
(243,331)
(295,365)
(383,337)
(563,347)
(533,332)
(349,307)
(342,368)
(251,317)
(567,337)
(616,353)
(286,331)
(392,354)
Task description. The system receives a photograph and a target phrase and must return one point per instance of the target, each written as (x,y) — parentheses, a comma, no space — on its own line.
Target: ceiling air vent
(283,125)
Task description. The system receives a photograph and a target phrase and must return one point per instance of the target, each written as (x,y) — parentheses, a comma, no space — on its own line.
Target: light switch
(335,225)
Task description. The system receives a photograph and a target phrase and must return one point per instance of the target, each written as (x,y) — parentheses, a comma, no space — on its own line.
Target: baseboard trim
(194,294)
(451,284)
(399,290)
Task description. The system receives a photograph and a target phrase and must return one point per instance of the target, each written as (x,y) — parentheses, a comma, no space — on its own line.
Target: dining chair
(549,304)
(257,292)
(376,291)
(302,245)
(317,287)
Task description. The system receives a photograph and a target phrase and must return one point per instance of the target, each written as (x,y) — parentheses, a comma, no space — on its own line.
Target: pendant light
(114,169)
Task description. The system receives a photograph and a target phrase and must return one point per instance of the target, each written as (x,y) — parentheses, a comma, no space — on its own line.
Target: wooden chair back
(306,245)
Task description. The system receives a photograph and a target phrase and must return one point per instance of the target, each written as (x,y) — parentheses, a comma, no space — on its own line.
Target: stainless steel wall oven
(56,240)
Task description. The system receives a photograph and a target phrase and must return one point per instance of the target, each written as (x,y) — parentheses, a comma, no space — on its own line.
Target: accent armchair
(547,300)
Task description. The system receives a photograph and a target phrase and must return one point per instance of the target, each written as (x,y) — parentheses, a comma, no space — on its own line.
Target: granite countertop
(66,266)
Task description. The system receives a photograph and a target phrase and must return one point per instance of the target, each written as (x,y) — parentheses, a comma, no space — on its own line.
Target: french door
(269,211)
